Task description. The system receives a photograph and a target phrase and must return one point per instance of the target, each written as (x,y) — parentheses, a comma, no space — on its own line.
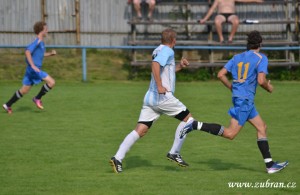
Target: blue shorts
(33,78)
(242,110)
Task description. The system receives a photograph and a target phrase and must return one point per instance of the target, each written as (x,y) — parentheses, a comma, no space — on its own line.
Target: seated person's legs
(137,7)
(234,19)
(151,4)
(219,20)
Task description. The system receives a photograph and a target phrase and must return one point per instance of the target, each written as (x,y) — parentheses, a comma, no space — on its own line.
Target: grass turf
(65,148)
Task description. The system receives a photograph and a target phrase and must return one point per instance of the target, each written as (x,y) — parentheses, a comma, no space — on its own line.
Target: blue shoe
(188,127)
(277,167)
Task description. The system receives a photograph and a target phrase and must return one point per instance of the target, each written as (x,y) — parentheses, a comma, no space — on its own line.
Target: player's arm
(262,81)
(183,63)
(30,61)
(210,11)
(52,53)
(156,75)
(223,78)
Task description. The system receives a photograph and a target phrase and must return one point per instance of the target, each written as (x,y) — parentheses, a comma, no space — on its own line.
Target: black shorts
(227,15)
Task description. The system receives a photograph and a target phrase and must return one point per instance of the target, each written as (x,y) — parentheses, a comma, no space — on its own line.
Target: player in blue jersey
(158,100)
(247,69)
(34,53)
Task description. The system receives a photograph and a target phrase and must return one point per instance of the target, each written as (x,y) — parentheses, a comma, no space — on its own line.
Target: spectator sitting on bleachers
(226,13)
(137,7)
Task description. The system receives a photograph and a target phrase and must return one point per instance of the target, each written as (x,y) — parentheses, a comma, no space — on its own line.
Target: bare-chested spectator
(226,13)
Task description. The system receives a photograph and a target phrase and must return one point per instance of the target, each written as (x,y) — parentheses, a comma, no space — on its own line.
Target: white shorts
(170,107)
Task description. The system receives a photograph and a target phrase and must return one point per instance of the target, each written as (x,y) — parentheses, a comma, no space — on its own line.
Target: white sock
(125,146)
(177,144)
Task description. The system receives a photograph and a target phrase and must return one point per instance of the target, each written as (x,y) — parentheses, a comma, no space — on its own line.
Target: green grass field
(65,148)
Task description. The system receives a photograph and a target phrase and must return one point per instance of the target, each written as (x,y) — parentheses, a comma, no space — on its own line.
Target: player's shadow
(27,109)
(23,109)
(219,165)
(136,161)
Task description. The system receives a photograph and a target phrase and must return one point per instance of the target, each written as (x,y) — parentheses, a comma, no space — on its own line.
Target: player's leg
(219,20)
(174,153)
(235,23)
(263,145)
(174,108)
(15,97)
(236,123)
(233,129)
(140,130)
(50,83)
(192,124)
(116,161)
(27,84)
(146,119)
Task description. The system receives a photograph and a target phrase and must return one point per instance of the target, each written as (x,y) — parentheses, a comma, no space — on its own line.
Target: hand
(161,89)
(202,21)
(270,87)
(184,62)
(36,69)
(53,52)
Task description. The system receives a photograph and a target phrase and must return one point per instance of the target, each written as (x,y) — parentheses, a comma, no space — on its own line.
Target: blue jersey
(163,55)
(244,68)
(37,50)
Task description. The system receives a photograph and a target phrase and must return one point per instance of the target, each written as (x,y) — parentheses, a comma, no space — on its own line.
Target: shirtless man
(226,13)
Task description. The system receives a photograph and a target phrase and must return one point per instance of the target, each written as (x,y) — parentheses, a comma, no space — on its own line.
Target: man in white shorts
(159,100)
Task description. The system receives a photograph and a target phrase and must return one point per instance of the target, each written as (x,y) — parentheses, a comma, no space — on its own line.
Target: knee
(51,83)
(136,3)
(152,3)
(218,22)
(235,22)
(141,132)
(24,91)
(229,134)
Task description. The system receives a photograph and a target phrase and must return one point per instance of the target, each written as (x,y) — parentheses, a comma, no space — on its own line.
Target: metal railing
(203,47)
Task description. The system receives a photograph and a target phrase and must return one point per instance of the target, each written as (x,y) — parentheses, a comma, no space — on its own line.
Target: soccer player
(158,100)
(247,69)
(34,54)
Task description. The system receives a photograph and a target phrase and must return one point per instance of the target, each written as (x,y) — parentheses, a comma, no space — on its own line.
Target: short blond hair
(168,35)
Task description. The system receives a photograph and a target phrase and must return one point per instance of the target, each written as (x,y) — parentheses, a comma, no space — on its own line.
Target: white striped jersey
(163,55)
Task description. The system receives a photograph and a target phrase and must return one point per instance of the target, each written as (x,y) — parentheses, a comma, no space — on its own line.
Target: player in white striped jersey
(159,100)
